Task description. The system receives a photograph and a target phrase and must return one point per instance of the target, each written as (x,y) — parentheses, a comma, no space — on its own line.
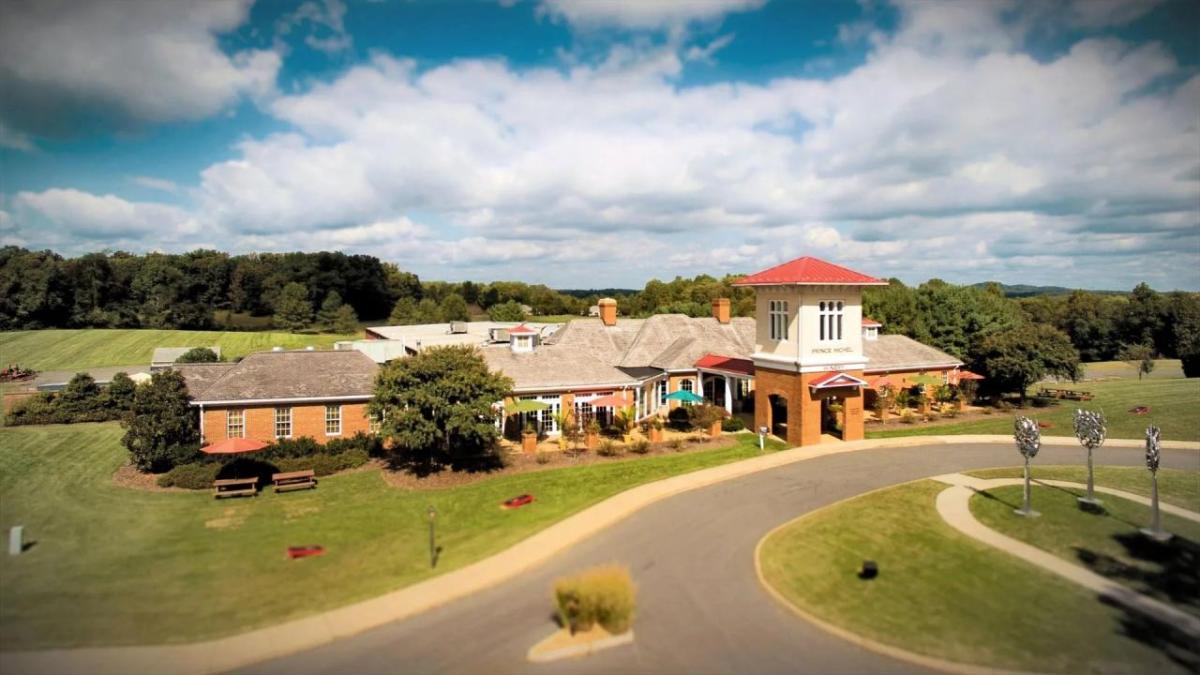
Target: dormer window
(830,317)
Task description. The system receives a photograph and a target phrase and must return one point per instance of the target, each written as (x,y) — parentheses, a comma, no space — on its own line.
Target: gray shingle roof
(200,376)
(555,367)
(295,374)
(889,353)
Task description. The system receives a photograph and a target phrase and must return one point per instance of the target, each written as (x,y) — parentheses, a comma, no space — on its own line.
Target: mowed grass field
(64,349)
(942,594)
(118,566)
(1174,407)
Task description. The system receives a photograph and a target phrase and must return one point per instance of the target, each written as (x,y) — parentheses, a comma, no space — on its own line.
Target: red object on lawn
(233,446)
(304,551)
(1140,410)
(516,502)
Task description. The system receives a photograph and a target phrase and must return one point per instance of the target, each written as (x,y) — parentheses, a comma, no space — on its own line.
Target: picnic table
(294,480)
(1072,394)
(235,487)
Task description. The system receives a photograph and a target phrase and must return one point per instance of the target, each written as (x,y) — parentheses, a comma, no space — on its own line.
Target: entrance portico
(725,380)
(808,347)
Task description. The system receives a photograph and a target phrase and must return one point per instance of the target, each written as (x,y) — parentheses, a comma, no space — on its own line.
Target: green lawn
(120,566)
(94,347)
(1173,407)
(1183,487)
(942,594)
(1163,368)
(1107,542)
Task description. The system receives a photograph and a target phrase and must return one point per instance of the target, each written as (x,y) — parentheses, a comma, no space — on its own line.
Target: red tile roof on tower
(521,330)
(870,323)
(808,270)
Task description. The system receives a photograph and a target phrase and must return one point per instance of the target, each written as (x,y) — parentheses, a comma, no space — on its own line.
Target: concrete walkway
(893,464)
(953,504)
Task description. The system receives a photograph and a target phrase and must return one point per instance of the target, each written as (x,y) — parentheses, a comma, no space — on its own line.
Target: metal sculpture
(1029,441)
(1153,440)
(1090,430)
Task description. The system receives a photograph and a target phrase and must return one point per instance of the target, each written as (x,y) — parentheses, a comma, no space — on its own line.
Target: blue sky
(598,143)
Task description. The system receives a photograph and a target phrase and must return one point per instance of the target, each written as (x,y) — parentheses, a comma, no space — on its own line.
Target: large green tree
(454,308)
(437,407)
(293,311)
(506,311)
(162,429)
(1015,358)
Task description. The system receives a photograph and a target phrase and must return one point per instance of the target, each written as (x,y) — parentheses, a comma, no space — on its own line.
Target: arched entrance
(778,415)
(832,420)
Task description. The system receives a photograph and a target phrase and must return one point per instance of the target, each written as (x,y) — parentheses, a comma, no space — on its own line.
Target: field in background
(1103,370)
(95,347)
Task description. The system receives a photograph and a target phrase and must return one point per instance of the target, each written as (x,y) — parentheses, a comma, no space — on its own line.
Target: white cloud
(68,63)
(86,216)
(325,21)
(643,14)
(160,184)
(1104,13)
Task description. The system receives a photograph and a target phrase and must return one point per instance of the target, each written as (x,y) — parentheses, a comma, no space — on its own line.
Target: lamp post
(432,513)
(762,439)
(1155,531)
(1029,441)
(1090,430)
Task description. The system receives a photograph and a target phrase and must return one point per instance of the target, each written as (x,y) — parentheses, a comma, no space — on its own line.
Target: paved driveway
(700,608)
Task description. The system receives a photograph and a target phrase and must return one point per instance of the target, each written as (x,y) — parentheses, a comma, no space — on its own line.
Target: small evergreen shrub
(951,412)
(680,419)
(675,444)
(907,417)
(608,448)
(602,595)
(194,476)
(733,423)
(640,447)
(542,458)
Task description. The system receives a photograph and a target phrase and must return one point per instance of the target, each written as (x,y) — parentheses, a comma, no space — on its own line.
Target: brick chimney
(608,311)
(721,310)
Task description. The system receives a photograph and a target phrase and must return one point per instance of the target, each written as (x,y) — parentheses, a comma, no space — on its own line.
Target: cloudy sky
(586,143)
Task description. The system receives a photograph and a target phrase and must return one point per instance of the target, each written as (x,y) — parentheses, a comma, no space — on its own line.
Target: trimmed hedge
(197,476)
(732,423)
(200,475)
(602,595)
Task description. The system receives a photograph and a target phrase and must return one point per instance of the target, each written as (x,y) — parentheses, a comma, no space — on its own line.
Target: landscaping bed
(944,595)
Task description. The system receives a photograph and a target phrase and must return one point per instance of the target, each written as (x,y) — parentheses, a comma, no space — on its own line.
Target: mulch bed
(129,477)
(522,463)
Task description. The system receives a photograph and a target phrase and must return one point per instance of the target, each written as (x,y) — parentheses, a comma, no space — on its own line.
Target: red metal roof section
(728,364)
(808,270)
(521,330)
(870,323)
(836,380)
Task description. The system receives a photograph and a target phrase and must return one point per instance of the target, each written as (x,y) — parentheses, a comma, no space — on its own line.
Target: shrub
(951,412)
(603,595)
(198,355)
(907,417)
(194,476)
(324,464)
(1042,401)
(987,411)
(608,448)
(733,423)
(162,427)
(679,419)
(675,444)
(542,458)
(640,447)
(706,415)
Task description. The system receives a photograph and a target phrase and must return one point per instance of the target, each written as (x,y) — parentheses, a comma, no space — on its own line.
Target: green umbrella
(685,396)
(525,406)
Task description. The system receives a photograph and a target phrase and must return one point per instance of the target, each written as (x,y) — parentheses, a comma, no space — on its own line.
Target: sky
(597,143)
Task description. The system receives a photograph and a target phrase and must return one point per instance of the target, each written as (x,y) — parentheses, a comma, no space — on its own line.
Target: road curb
(575,651)
(231,652)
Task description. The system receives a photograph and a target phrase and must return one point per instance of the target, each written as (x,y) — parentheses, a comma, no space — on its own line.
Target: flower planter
(656,435)
(715,429)
(529,443)
(592,441)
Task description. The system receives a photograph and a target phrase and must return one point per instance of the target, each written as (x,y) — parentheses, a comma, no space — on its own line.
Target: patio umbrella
(611,401)
(525,406)
(684,396)
(960,375)
(880,382)
(233,446)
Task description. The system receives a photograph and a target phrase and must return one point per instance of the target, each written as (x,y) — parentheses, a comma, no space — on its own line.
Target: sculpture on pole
(1090,430)
(1029,441)
(1153,439)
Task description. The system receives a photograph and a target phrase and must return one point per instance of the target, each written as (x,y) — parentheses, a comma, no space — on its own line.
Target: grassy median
(944,595)
(113,565)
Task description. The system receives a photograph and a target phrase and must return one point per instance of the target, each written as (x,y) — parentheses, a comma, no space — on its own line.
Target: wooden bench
(1071,394)
(235,487)
(294,480)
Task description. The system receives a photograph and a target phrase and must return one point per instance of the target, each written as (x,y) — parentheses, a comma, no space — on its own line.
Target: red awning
(832,380)
(233,446)
(727,364)
(611,401)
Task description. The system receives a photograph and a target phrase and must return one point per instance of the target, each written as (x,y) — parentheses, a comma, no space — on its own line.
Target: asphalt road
(700,607)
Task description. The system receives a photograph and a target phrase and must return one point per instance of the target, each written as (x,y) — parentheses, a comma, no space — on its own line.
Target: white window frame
(777,316)
(235,423)
(374,423)
(337,419)
(283,416)
(830,316)
(663,386)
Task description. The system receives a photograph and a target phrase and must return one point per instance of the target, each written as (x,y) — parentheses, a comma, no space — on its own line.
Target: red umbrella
(960,375)
(233,446)
(612,401)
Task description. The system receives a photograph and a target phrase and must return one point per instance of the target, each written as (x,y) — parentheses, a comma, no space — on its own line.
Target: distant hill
(1026,291)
